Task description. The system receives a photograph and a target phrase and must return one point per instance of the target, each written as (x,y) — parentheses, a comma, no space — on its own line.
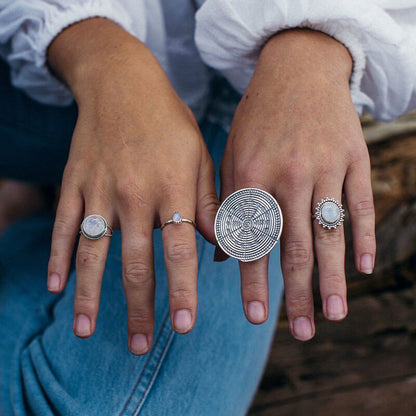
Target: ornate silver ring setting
(177,219)
(329,213)
(95,226)
(248,224)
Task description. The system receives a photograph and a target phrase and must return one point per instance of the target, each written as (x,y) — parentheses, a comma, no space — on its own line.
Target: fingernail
(82,325)
(302,328)
(256,312)
(366,265)
(182,321)
(335,307)
(138,344)
(54,282)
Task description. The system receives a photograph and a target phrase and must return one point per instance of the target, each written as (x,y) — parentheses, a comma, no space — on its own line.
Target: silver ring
(177,219)
(95,226)
(329,213)
(248,224)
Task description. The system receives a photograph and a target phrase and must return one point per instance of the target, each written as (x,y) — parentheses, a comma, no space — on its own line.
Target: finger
(297,260)
(65,230)
(330,253)
(207,202)
(255,289)
(254,279)
(361,209)
(138,278)
(181,259)
(227,188)
(90,263)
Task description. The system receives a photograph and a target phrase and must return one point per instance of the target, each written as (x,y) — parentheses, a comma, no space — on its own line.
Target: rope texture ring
(248,224)
(95,226)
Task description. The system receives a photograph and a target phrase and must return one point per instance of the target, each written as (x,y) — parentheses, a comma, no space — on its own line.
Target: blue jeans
(46,370)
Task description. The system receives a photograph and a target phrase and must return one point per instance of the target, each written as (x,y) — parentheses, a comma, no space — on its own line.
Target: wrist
(93,53)
(304,53)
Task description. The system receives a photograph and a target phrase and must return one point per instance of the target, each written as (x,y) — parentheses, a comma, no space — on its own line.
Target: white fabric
(231,33)
(380,35)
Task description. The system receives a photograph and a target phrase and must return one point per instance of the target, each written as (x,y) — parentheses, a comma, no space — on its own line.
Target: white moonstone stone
(330,212)
(94,226)
(177,217)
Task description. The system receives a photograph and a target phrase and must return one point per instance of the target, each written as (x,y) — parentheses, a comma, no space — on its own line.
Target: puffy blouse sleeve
(380,36)
(27,27)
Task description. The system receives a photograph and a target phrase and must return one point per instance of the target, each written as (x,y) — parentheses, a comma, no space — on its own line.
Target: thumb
(227,188)
(207,199)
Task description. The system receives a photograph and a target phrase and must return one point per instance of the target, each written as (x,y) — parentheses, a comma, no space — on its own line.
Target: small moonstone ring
(329,213)
(177,219)
(94,227)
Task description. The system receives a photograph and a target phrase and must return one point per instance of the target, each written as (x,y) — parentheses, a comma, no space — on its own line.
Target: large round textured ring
(95,226)
(329,213)
(248,224)
(177,219)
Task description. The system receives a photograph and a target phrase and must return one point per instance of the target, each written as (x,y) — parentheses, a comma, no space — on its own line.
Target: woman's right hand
(136,157)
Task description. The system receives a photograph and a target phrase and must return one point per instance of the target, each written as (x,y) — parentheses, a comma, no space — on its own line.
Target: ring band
(329,213)
(95,227)
(177,219)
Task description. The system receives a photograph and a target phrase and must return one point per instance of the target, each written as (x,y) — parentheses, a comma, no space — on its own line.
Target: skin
(137,156)
(296,134)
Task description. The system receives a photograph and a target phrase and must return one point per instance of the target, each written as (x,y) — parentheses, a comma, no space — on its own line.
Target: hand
(296,135)
(136,157)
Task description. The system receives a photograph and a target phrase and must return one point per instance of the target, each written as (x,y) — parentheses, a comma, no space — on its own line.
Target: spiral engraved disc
(248,224)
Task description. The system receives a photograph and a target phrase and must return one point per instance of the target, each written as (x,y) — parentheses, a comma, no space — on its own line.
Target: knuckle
(255,288)
(173,190)
(330,237)
(130,192)
(293,175)
(180,252)
(140,319)
(181,295)
(85,299)
(333,280)
(63,227)
(138,273)
(88,256)
(299,302)
(362,208)
(250,174)
(70,175)
(297,253)
(208,202)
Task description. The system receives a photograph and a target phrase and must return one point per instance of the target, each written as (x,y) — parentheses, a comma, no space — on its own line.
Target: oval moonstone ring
(95,226)
(248,224)
(329,213)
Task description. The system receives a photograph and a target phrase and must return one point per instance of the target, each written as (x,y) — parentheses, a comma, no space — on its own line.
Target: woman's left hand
(296,134)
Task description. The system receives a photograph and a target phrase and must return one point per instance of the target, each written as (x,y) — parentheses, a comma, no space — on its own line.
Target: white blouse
(226,35)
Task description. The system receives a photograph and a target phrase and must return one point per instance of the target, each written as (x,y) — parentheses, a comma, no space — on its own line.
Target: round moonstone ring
(329,213)
(177,219)
(248,224)
(95,226)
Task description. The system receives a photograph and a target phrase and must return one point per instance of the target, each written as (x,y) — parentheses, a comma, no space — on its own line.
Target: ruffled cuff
(41,23)
(230,35)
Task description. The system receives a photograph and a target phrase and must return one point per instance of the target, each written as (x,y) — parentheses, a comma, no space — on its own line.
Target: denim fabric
(46,370)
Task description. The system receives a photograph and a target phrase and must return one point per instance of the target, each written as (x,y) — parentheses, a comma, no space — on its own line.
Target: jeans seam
(155,372)
(157,350)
